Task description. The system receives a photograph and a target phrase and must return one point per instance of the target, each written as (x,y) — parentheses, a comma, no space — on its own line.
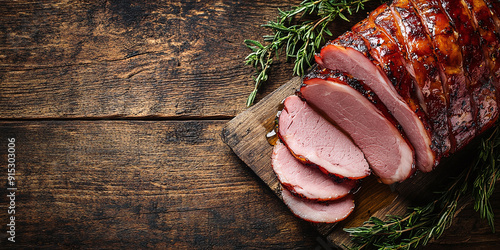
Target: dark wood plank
(246,135)
(139,184)
(128,58)
(132,58)
(149,183)
(469,231)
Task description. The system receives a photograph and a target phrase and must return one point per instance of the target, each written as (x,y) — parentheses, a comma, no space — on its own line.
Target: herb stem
(301,38)
(422,224)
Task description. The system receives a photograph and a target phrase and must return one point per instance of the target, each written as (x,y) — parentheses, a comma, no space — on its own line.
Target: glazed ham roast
(414,82)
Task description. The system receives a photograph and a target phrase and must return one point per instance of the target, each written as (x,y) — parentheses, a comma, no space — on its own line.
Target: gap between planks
(125,118)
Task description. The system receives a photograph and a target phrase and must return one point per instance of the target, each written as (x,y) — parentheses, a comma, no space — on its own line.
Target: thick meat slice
(481,81)
(387,55)
(418,51)
(345,58)
(390,157)
(324,212)
(358,86)
(306,181)
(449,58)
(385,52)
(314,140)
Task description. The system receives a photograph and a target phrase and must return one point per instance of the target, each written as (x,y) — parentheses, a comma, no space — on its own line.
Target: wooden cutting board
(246,135)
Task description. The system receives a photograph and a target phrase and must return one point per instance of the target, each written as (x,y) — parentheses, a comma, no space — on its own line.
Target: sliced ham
(414,82)
(324,212)
(386,54)
(354,62)
(306,181)
(315,141)
(422,65)
(390,157)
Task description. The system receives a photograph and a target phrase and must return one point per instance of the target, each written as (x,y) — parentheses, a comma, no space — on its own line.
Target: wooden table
(117,108)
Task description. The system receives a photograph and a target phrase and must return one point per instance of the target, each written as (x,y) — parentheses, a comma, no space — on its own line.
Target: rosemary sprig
(484,184)
(300,40)
(422,224)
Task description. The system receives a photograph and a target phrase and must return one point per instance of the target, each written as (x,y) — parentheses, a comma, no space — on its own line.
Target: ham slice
(422,65)
(390,157)
(344,58)
(325,212)
(385,53)
(315,141)
(306,181)
(414,82)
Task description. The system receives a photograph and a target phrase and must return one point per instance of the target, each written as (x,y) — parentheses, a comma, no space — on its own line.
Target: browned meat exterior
(384,21)
(488,106)
(433,66)
(494,6)
(357,85)
(484,10)
(474,64)
(487,6)
(449,57)
(482,20)
(324,212)
(352,40)
(306,181)
(418,51)
(315,141)
(386,54)
(348,54)
(481,16)
(414,82)
(390,156)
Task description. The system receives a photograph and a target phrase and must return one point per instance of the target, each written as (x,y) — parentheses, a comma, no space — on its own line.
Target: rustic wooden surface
(118,108)
(246,135)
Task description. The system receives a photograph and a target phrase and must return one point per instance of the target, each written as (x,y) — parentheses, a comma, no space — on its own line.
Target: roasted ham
(325,212)
(306,181)
(385,53)
(414,82)
(315,141)
(387,151)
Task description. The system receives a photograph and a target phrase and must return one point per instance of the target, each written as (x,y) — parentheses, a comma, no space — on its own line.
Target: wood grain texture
(139,184)
(132,58)
(128,58)
(246,135)
(118,107)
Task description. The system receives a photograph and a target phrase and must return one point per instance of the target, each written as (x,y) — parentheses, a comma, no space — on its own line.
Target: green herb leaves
(487,173)
(300,38)
(422,224)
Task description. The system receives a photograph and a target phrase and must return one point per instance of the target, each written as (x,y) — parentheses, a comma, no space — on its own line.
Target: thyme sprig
(300,38)
(422,224)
